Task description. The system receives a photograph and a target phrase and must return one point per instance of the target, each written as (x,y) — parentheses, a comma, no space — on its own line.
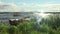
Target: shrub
(13,30)
(3,29)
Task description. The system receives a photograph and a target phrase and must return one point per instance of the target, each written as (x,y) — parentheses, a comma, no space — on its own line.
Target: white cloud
(39,7)
(11,7)
(8,7)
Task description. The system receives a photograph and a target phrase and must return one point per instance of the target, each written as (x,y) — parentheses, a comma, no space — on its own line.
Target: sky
(32,1)
(33,5)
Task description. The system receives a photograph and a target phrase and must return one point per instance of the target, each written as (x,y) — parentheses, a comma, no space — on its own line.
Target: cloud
(7,7)
(40,7)
(26,7)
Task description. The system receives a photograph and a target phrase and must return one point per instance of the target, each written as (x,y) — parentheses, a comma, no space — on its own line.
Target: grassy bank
(51,26)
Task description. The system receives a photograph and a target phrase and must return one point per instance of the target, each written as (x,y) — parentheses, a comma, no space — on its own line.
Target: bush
(3,29)
(13,30)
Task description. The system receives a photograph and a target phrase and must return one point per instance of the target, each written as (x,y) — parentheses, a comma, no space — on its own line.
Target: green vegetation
(51,26)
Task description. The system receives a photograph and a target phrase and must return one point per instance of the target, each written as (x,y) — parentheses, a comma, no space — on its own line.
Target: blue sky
(32,1)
